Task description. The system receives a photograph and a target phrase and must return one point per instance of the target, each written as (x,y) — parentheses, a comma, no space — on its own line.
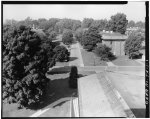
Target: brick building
(115,41)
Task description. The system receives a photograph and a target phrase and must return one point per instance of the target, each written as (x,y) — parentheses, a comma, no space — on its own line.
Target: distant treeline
(117,23)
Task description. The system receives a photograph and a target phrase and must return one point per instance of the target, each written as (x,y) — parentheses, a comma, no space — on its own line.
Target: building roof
(132,28)
(113,36)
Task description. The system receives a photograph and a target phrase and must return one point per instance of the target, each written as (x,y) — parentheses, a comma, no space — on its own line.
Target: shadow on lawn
(112,58)
(73,58)
(60,70)
(56,90)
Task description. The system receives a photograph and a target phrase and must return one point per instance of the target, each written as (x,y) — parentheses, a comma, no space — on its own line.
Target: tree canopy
(61,53)
(67,37)
(90,38)
(118,23)
(133,43)
(86,23)
(25,63)
(131,23)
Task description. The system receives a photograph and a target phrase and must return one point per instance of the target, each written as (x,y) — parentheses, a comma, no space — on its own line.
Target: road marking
(76,108)
(70,115)
(38,113)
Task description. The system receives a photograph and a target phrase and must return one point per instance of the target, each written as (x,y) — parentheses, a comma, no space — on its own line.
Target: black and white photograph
(73,60)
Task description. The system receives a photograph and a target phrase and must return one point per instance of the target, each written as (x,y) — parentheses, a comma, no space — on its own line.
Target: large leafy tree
(76,25)
(119,23)
(86,23)
(78,34)
(133,44)
(100,24)
(67,37)
(140,24)
(25,63)
(90,38)
(61,53)
(131,23)
(64,24)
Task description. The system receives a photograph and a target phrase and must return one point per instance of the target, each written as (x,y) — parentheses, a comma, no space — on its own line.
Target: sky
(134,11)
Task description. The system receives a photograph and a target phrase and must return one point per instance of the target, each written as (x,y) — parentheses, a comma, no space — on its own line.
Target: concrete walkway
(92,100)
(76,56)
(98,98)
(110,64)
(140,61)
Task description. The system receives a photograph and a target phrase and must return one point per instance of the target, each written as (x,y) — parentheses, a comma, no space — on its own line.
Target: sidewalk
(140,61)
(110,64)
(76,53)
(92,100)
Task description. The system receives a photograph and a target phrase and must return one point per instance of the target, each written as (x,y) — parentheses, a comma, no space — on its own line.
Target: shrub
(88,47)
(24,68)
(135,55)
(61,53)
(73,77)
(67,37)
(104,52)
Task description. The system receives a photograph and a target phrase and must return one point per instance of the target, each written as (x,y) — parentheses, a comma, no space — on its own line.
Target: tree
(76,25)
(44,25)
(87,22)
(64,24)
(52,35)
(73,77)
(90,38)
(24,68)
(10,22)
(131,23)
(104,52)
(119,23)
(140,24)
(61,53)
(108,26)
(67,37)
(100,24)
(133,44)
(78,34)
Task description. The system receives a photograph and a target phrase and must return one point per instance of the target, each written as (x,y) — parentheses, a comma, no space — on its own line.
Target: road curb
(129,113)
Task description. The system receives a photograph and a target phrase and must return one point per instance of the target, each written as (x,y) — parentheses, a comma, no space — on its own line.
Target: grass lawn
(11,110)
(90,59)
(61,64)
(125,61)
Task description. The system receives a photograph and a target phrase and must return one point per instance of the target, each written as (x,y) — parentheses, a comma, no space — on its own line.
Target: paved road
(93,100)
(132,89)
